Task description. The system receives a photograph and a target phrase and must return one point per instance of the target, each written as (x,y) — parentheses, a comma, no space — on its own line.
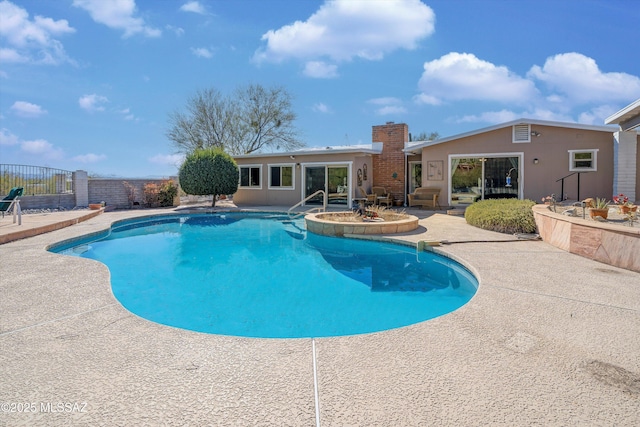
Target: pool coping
(549,338)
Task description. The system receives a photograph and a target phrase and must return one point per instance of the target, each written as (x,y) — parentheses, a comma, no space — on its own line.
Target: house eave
(423,144)
(363,150)
(628,118)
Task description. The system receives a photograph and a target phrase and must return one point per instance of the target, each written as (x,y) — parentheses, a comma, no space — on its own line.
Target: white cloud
(202,52)
(320,69)
(579,80)
(502,116)
(388,106)
(344,29)
(92,102)
(321,108)
(31,40)
(7,138)
(177,30)
(391,110)
(119,15)
(596,115)
(43,148)
(167,159)
(12,56)
(458,76)
(385,101)
(128,115)
(89,158)
(569,87)
(27,109)
(193,6)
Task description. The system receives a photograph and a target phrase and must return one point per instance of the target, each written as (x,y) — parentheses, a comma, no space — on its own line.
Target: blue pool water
(262,275)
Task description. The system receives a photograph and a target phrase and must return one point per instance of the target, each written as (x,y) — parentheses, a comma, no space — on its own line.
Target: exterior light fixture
(536,161)
(535,133)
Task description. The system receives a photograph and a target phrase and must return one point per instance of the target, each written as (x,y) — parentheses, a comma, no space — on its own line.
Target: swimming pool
(263,275)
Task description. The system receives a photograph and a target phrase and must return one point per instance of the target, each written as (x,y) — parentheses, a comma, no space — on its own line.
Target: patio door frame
(519,155)
(327,165)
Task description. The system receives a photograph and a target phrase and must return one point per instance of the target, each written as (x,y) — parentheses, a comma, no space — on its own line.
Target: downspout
(406,178)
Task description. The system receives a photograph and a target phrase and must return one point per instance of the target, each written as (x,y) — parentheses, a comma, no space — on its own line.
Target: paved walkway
(549,339)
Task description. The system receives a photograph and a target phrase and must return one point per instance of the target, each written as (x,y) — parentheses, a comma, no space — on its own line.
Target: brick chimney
(389,166)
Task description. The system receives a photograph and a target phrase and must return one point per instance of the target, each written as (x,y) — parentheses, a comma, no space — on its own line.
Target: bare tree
(424,136)
(253,119)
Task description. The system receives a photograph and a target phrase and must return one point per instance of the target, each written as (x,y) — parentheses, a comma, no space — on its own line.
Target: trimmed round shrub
(209,171)
(502,215)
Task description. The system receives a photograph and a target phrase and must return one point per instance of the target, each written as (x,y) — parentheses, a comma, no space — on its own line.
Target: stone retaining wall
(617,245)
(316,224)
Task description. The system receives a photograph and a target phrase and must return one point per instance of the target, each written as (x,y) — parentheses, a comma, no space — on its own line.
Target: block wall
(48,201)
(389,166)
(113,192)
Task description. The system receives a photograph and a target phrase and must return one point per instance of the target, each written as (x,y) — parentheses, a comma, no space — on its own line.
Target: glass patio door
(477,178)
(415,173)
(333,179)
(315,179)
(501,178)
(337,185)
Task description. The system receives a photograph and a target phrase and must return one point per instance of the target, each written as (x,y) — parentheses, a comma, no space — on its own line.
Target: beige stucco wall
(550,148)
(289,197)
(637,199)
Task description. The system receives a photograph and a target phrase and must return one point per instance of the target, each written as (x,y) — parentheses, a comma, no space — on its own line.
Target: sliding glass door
(484,177)
(333,179)
(315,179)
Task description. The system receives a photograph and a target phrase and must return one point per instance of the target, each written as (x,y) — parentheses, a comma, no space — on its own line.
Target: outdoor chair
(370,198)
(382,197)
(10,199)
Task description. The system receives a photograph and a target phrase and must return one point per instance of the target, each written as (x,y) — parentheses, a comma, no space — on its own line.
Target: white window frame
(250,187)
(594,160)
(514,135)
(293,176)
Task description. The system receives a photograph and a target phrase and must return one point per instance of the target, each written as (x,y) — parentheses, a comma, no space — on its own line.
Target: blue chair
(10,199)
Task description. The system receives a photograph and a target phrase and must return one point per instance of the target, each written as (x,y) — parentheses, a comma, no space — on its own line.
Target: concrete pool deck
(550,338)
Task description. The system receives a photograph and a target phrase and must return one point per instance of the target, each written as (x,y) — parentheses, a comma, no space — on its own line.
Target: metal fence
(36,180)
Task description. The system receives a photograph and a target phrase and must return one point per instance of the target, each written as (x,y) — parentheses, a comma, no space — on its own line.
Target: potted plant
(624,205)
(600,207)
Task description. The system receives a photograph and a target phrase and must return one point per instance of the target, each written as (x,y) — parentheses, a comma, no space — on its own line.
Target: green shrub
(502,215)
(168,191)
(209,171)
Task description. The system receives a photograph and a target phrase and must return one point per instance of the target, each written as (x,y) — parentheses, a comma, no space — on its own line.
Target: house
(284,179)
(525,159)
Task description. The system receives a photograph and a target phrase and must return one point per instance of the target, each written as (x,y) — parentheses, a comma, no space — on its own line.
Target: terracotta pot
(624,209)
(604,213)
(95,206)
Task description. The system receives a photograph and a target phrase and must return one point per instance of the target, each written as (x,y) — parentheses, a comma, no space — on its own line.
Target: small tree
(209,171)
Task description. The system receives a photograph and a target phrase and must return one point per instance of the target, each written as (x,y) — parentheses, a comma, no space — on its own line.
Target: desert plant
(599,203)
(130,190)
(167,192)
(502,215)
(209,171)
(150,191)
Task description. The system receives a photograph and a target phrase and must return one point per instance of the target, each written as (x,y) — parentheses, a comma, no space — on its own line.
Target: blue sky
(89,84)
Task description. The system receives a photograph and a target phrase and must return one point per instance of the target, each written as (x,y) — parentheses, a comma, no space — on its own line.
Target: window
(250,176)
(280,176)
(583,160)
(521,133)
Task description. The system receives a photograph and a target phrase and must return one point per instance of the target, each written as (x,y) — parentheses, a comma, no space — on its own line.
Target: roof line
(365,149)
(421,144)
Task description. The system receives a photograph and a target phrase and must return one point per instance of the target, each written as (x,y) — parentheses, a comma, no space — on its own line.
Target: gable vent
(522,133)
